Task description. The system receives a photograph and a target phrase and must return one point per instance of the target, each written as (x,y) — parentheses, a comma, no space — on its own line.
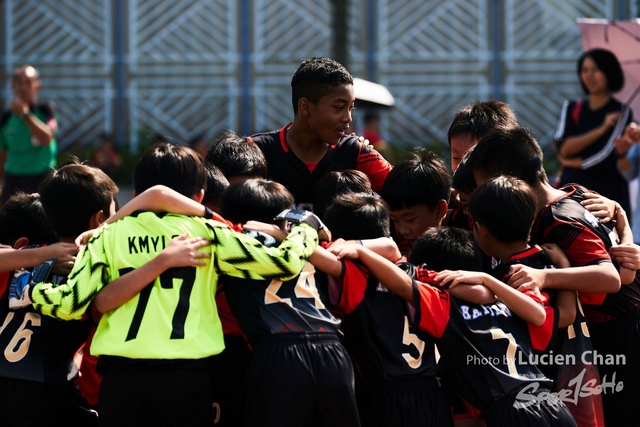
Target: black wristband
(622,155)
(208,213)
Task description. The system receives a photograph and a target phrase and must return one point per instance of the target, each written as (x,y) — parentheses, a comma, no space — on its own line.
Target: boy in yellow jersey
(154,349)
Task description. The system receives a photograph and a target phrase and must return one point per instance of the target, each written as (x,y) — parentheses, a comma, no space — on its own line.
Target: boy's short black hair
(335,183)
(315,78)
(356,216)
(236,156)
(177,167)
(476,119)
(608,64)
(506,207)
(23,216)
(463,180)
(216,184)
(254,199)
(422,179)
(74,192)
(446,248)
(508,151)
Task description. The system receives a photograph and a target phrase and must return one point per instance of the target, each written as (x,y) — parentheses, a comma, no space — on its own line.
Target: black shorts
(541,413)
(29,403)
(619,338)
(407,401)
(155,396)
(300,380)
(228,370)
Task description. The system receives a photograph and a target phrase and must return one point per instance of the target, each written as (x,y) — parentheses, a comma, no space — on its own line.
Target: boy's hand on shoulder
(460,276)
(628,255)
(183,252)
(66,256)
(361,139)
(343,249)
(525,278)
(84,238)
(602,208)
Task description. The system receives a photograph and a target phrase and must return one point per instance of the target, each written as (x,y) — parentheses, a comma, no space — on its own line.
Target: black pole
(340,51)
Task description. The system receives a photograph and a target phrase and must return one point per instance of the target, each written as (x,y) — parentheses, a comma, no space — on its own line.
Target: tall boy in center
(316,141)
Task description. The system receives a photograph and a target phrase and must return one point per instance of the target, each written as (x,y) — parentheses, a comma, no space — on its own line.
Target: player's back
(268,307)
(572,227)
(379,331)
(482,345)
(175,317)
(38,347)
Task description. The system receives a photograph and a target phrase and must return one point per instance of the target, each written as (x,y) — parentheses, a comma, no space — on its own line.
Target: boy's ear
(20,243)
(96,219)
(441,208)
(303,107)
(198,196)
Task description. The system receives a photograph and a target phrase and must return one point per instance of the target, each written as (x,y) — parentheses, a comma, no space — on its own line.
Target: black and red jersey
(458,218)
(264,307)
(585,241)
(486,349)
(571,345)
(286,168)
(39,348)
(378,328)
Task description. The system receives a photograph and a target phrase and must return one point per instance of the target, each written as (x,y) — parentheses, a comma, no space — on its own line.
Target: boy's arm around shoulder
(160,198)
(598,278)
(328,261)
(12,259)
(389,274)
(239,255)
(523,305)
(432,303)
(69,301)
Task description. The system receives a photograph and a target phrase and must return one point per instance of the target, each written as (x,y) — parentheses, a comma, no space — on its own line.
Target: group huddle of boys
(341,332)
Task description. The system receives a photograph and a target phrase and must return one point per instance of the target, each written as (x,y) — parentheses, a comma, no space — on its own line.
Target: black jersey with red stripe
(264,307)
(483,347)
(39,348)
(585,241)
(458,218)
(379,333)
(571,344)
(287,168)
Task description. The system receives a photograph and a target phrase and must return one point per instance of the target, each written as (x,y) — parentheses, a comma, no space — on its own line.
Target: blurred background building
(181,68)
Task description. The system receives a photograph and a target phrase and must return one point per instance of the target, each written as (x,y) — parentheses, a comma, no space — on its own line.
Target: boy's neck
(507,250)
(304,143)
(545,194)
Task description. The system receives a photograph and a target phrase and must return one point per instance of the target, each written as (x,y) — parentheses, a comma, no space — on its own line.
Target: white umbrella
(372,94)
(622,38)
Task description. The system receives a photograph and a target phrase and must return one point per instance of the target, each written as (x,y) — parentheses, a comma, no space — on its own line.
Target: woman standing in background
(586,134)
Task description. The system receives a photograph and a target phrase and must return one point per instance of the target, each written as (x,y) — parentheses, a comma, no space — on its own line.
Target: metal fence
(184,67)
